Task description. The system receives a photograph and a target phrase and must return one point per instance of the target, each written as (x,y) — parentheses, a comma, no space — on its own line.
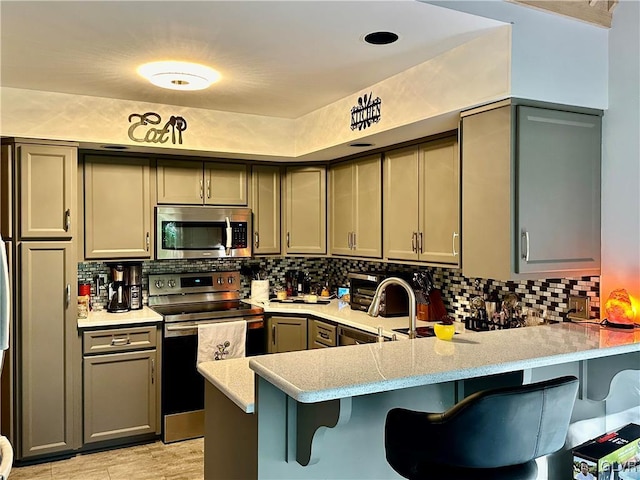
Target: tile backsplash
(552,295)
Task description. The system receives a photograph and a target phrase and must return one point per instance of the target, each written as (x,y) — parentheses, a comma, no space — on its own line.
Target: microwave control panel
(238,235)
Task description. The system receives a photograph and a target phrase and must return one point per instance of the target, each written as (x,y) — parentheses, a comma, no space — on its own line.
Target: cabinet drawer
(323,333)
(119,339)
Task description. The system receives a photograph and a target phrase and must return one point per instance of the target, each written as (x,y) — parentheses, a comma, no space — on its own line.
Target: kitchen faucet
(375,303)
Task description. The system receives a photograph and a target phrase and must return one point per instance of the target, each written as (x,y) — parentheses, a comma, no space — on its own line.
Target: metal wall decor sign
(174,127)
(366,112)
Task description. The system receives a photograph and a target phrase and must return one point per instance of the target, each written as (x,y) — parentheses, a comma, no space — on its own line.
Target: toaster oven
(394,301)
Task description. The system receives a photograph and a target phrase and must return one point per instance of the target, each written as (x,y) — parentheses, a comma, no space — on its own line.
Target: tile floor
(152,461)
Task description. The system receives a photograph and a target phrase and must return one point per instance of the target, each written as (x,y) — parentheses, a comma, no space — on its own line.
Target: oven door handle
(192,329)
(177,328)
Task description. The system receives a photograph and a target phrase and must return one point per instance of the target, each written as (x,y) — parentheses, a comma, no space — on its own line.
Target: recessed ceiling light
(179,75)
(360,145)
(381,38)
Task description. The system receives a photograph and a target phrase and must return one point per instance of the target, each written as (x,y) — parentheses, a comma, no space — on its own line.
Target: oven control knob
(230,280)
(159,283)
(171,283)
(220,280)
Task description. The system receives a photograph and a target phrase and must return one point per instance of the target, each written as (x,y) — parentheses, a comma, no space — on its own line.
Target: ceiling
(280,59)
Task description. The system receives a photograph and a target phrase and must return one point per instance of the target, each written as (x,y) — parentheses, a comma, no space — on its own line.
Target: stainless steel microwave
(202,232)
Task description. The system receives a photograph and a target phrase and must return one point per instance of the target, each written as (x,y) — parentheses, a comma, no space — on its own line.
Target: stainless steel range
(187,300)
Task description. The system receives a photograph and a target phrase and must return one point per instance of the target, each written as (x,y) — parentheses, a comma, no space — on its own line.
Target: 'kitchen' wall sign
(175,126)
(366,112)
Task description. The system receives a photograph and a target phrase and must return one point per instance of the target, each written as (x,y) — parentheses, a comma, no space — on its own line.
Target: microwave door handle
(229,235)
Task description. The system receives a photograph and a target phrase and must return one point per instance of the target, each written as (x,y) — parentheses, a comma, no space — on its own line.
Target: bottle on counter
(84,300)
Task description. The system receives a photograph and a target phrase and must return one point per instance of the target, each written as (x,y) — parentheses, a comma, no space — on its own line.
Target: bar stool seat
(493,434)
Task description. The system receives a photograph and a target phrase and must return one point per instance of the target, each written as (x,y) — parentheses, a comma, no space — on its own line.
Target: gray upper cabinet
(422,203)
(201,183)
(47,190)
(305,210)
(118,209)
(265,205)
(531,192)
(355,208)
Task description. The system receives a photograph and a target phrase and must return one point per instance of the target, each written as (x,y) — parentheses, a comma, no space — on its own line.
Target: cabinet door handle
(453,243)
(147,240)
(273,335)
(525,253)
(67,220)
(349,241)
(121,341)
(153,371)
(68,294)
(288,240)
(201,189)
(353,241)
(414,239)
(208,188)
(257,240)
(420,243)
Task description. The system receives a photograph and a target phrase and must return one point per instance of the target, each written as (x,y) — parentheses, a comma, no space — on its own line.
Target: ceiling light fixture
(381,38)
(361,144)
(179,75)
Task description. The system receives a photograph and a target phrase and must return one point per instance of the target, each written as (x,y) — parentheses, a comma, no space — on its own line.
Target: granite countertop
(103,318)
(340,312)
(378,367)
(234,378)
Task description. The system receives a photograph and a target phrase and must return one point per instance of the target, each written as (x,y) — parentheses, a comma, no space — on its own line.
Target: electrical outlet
(100,280)
(580,305)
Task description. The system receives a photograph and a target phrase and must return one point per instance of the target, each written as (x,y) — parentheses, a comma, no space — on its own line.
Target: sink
(421,332)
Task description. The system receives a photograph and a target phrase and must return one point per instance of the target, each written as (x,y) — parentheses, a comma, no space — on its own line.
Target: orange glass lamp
(620,309)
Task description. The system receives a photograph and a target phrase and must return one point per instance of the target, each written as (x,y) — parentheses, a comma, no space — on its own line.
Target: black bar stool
(494,434)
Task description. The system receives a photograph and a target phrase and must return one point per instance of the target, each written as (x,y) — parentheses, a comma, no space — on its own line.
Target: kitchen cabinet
(422,203)
(121,376)
(531,191)
(265,205)
(118,213)
(201,183)
(286,334)
(47,191)
(48,349)
(321,334)
(305,210)
(355,208)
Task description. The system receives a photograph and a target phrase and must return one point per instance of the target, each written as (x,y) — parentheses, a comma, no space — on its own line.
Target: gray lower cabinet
(48,347)
(321,334)
(286,334)
(121,383)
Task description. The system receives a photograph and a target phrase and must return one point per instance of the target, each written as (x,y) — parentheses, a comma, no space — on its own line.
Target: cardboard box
(614,455)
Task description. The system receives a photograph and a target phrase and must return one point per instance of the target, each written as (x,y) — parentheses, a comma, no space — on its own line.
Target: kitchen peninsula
(321,413)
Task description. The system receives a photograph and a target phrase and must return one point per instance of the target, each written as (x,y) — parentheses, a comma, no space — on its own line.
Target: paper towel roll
(260,290)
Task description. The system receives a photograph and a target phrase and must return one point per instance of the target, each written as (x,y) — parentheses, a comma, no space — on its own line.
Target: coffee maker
(118,292)
(134,285)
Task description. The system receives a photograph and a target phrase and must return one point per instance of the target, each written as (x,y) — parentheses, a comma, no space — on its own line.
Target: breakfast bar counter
(321,413)
(380,367)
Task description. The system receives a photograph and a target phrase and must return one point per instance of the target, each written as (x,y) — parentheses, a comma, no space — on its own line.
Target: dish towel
(219,341)
(6,458)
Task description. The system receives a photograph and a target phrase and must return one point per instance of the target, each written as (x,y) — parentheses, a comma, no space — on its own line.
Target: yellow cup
(444,332)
